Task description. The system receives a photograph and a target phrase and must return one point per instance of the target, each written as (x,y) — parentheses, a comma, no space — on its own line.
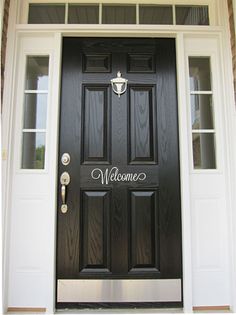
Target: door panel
(144,231)
(95,228)
(95,118)
(124,218)
(142,125)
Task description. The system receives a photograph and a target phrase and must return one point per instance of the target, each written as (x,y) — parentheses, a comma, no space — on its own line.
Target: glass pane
(37,73)
(83,14)
(46,14)
(35,111)
(199,74)
(155,14)
(192,15)
(118,14)
(204,151)
(202,112)
(33,151)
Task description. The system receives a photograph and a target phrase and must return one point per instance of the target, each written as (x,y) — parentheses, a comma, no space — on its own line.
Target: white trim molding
(207,197)
(230,134)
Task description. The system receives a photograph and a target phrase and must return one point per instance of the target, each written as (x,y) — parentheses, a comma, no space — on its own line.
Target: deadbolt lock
(65,159)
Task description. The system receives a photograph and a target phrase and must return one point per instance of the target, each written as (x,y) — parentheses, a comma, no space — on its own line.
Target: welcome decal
(113,175)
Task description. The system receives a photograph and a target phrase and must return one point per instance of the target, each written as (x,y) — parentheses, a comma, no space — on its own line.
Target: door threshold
(122,311)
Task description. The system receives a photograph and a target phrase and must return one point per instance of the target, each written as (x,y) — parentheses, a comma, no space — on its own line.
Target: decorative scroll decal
(113,175)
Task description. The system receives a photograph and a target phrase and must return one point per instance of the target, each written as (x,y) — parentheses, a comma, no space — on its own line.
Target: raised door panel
(95,230)
(141,63)
(95,127)
(144,231)
(142,125)
(96,63)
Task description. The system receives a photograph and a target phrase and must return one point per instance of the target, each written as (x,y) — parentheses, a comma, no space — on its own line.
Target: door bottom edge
(119,305)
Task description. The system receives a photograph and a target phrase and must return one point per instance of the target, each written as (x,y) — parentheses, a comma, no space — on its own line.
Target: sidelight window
(35,113)
(110,13)
(202,113)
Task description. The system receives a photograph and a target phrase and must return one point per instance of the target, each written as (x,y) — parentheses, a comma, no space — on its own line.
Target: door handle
(65,180)
(63,194)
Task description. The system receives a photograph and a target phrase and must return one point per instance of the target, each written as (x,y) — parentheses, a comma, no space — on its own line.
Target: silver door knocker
(119,84)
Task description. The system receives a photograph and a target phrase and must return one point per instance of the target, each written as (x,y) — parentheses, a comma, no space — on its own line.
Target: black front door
(123,219)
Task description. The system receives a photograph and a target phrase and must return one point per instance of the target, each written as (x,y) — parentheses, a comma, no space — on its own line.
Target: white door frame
(17,32)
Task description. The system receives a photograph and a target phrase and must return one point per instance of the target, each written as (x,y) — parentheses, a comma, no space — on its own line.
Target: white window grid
(35,130)
(209,3)
(199,130)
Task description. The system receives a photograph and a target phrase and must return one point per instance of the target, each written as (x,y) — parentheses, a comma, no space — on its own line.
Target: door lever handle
(63,194)
(65,180)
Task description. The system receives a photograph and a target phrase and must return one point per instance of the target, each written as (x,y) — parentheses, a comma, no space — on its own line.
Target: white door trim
(16,32)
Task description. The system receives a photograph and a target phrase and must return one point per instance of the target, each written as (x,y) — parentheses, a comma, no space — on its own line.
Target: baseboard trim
(27,309)
(212,308)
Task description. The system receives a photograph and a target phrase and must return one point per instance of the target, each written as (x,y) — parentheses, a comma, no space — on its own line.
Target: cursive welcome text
(113,175)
